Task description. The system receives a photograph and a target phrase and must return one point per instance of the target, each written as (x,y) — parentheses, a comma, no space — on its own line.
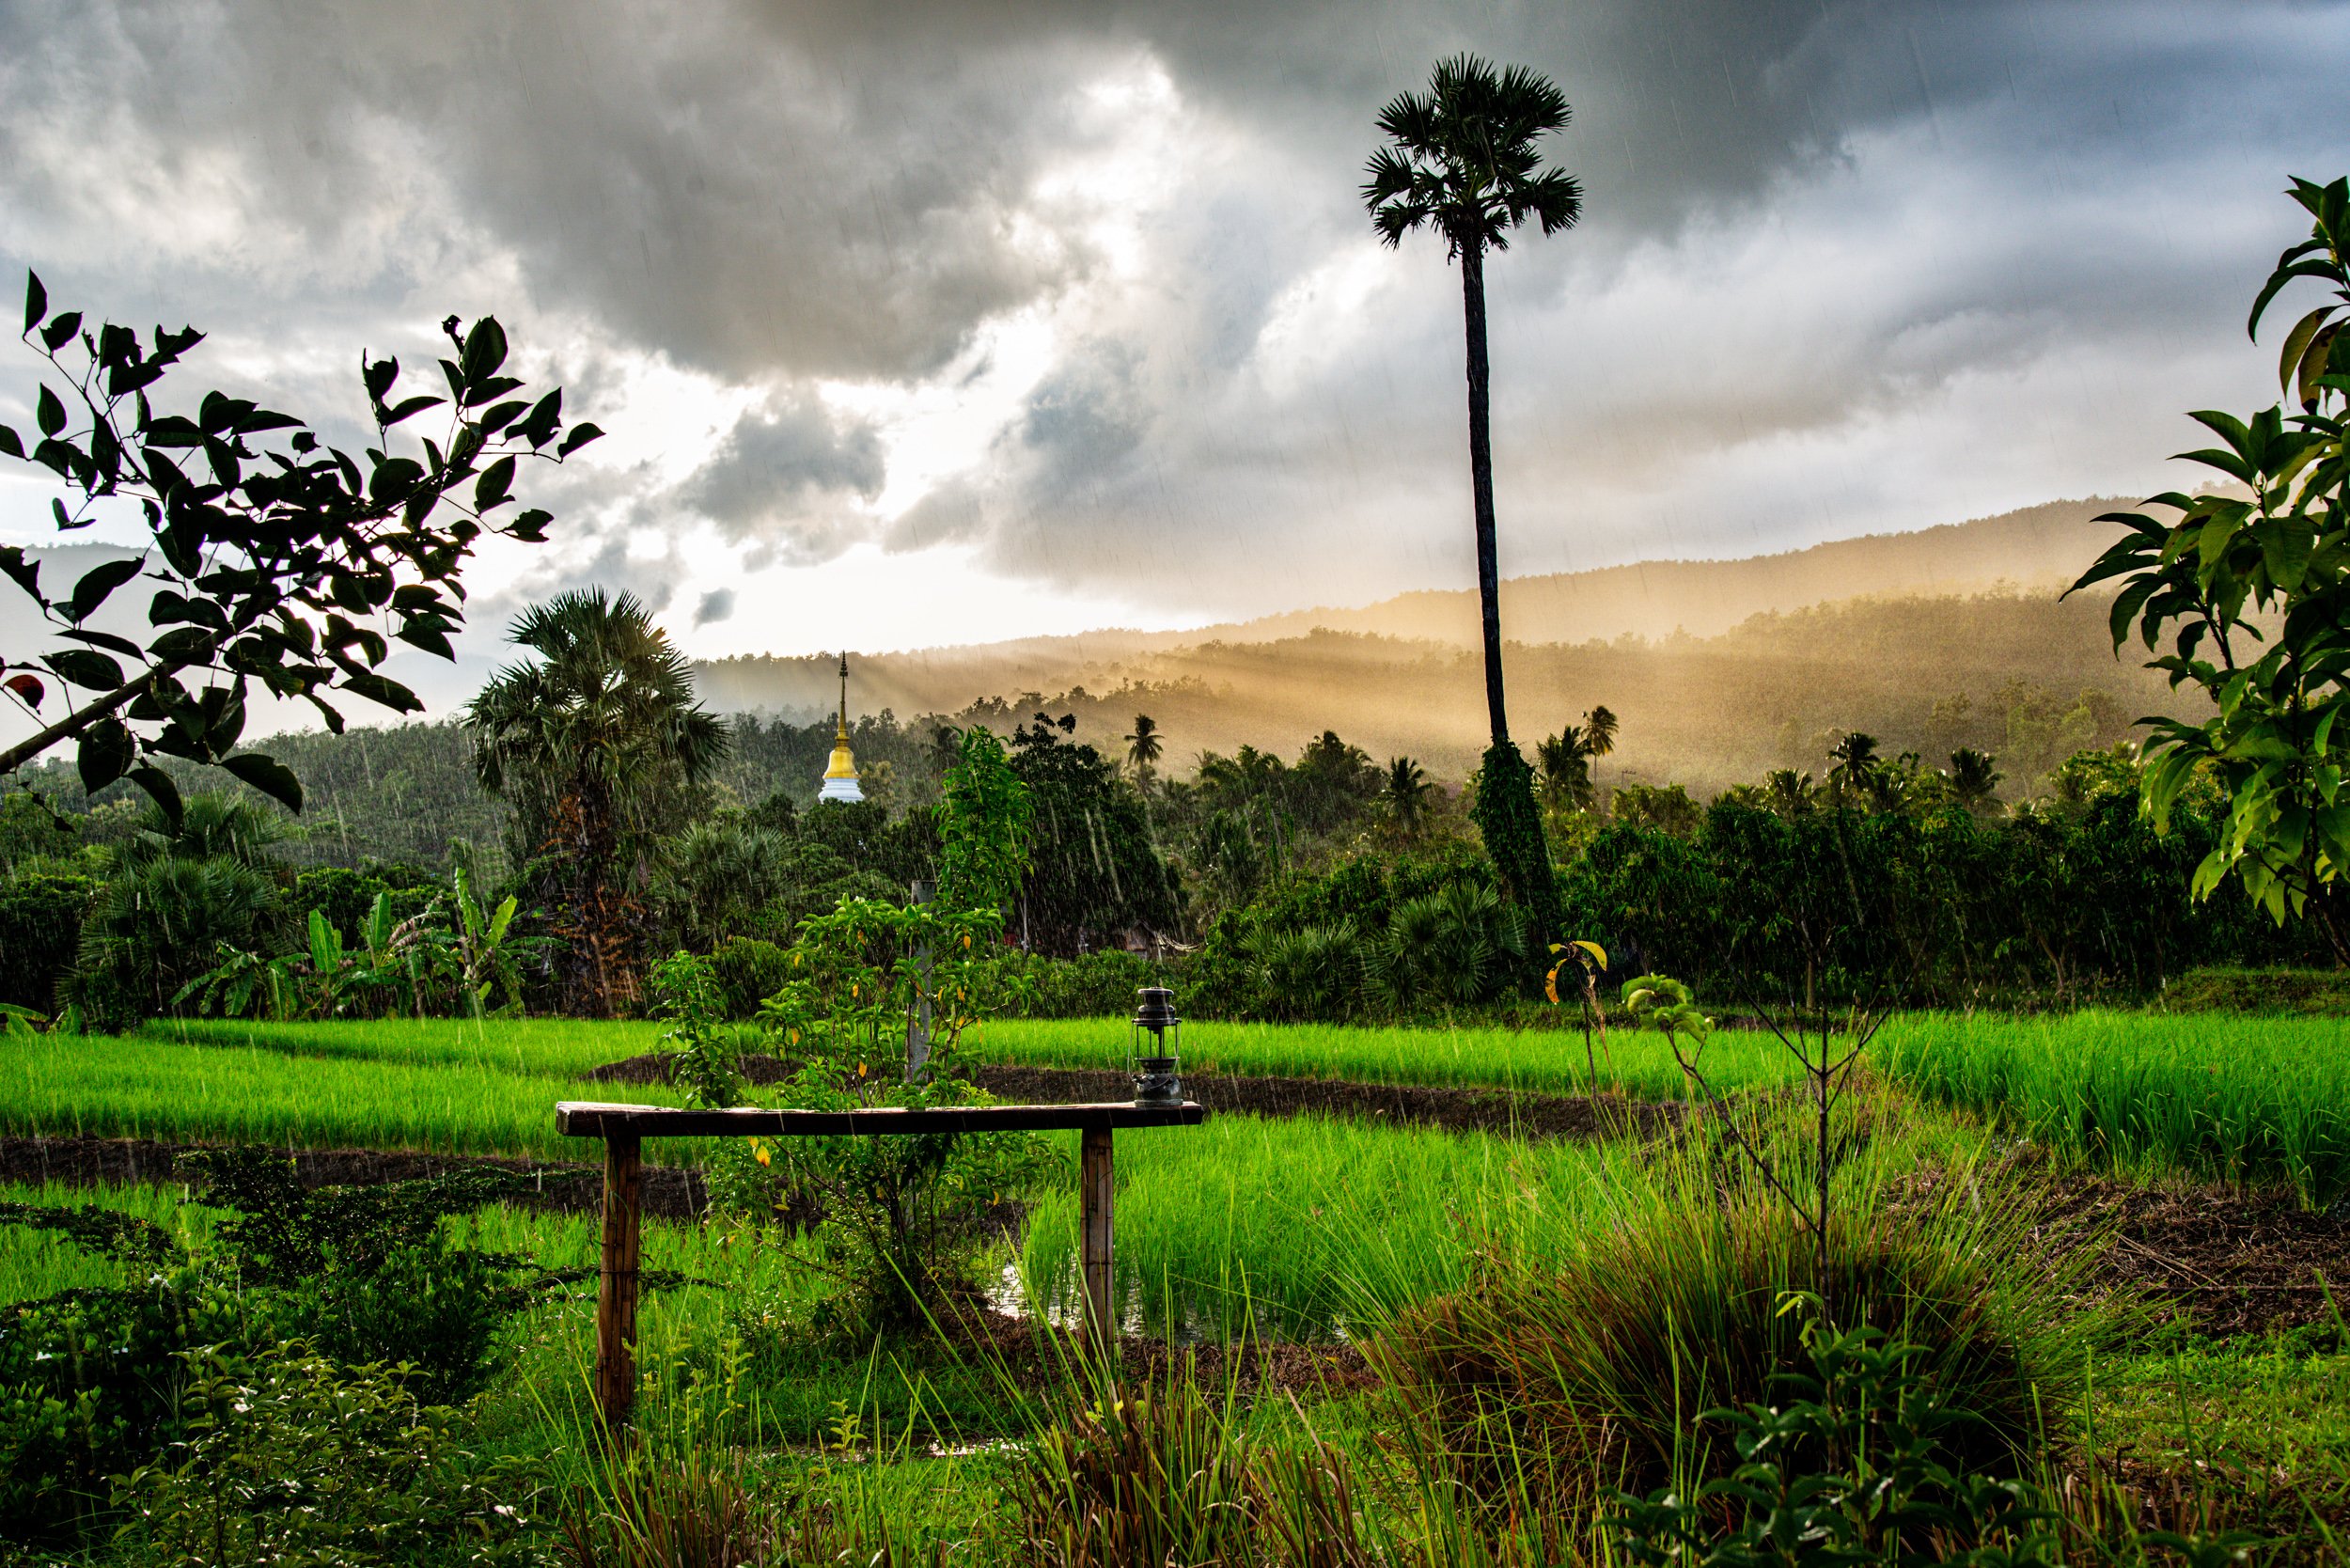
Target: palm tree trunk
(1482,481)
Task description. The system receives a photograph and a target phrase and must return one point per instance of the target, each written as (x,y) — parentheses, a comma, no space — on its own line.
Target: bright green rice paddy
(2214,1096)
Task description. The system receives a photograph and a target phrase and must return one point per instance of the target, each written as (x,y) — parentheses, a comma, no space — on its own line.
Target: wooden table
(624,1128)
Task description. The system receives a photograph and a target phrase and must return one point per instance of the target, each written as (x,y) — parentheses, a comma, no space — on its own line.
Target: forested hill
(2023,677)
(2037,551)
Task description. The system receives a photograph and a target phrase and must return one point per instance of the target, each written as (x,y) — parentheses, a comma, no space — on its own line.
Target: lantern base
(1156,1083)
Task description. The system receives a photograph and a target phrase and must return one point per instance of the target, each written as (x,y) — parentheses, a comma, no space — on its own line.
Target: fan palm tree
(1461,158)
(1143,749)
(598,746)
(1406,791)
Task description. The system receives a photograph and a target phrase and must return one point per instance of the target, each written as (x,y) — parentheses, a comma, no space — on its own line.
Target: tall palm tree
(1406,791)
(1461,158)
(1143,749)
(598,746)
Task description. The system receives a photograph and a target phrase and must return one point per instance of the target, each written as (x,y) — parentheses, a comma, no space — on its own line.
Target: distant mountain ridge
(2029,551)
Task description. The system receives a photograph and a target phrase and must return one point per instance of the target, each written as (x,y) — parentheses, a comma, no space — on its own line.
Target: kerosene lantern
(1152,1054)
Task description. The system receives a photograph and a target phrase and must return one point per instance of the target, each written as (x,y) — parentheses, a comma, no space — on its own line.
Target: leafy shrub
(1852,1459)
(90,1387)
(92,1382)
(2315,993)
(748,971)
(703,1054)
(904,1216)
(40,928)
(432,1310)
(1592,1365)
(1305,972)
(159,925)
(289,1457)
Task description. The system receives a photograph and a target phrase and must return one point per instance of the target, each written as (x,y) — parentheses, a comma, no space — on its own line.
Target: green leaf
(97,583)
(485,349)
(84,669)
(267,775)
(36,300)
(578,436)
(161,789)
(492,489)
(10,442)
(410,408)
(105,753)
(26,574)
(375,688)
(48,412)
(60,332)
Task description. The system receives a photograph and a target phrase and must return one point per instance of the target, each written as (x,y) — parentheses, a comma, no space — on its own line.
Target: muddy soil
(1459,1110)
(2228,1263)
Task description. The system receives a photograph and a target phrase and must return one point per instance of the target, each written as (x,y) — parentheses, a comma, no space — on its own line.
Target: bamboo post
(1095,1190)
(616,1284)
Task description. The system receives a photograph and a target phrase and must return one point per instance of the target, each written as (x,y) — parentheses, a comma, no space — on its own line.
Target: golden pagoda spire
(840,777)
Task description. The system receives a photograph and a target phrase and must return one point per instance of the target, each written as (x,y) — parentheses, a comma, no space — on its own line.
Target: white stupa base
(842,790)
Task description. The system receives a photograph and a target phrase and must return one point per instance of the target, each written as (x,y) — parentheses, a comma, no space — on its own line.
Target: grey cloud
(766,471)
(717,604)
(778,193)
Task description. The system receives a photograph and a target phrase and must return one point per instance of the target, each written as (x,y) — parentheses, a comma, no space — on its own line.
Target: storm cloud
(1084,291)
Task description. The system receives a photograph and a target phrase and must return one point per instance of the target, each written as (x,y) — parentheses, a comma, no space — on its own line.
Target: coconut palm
(1566,768)
(1462,159)
(598,746)
(1973,778)
(1599,737)
(1143,749)
(1855,759)
(1406,791)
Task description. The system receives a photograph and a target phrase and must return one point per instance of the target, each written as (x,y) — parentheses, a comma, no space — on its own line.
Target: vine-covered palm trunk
(1507,815)
(597,919)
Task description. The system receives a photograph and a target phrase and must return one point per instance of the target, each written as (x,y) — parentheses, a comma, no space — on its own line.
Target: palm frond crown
(1462,156)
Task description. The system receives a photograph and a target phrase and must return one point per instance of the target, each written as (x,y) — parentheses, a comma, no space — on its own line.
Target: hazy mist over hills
(1719,670)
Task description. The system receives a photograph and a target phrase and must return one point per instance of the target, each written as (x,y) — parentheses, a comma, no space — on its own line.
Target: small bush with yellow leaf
(875,1008)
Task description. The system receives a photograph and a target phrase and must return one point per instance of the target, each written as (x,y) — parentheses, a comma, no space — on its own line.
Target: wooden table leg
(616,1283)
(1094,1189)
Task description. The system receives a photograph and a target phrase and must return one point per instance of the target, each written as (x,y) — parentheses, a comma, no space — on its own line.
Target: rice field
(320,1087)
(2254,1100)
(1546,1061)
(2247,1099)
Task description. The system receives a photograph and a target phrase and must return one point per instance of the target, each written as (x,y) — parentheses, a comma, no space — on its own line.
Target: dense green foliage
(266,547)
(2265,578)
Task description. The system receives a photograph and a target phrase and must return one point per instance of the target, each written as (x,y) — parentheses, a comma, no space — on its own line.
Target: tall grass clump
(2230,1098)
(1591,1359)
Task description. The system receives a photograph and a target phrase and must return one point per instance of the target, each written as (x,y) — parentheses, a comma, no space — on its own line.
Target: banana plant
(246,983)
(483,959)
